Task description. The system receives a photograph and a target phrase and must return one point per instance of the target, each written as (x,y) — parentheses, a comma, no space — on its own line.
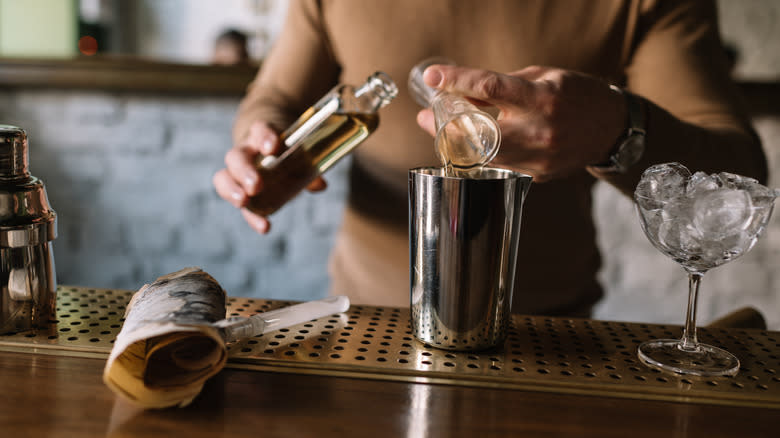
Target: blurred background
(129,170)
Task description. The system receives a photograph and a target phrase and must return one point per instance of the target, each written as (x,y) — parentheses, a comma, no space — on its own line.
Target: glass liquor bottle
(326,132)
(467,138)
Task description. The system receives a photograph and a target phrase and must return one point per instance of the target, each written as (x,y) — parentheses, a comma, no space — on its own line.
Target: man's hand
(240,179)
(552,121)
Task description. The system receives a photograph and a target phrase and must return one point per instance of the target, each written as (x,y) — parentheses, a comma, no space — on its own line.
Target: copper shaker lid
(26,218)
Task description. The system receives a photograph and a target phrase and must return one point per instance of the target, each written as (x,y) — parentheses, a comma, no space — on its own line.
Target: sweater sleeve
(298,70)
(694,112)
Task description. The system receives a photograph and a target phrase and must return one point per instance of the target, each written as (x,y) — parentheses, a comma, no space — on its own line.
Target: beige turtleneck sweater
(667,52)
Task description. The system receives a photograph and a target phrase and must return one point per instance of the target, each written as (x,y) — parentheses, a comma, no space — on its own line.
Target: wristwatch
(631,144)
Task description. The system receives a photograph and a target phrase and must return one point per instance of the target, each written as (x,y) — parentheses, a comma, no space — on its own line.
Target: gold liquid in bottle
(286,176)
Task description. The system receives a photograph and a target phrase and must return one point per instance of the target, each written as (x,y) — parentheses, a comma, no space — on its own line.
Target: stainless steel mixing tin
(463,243)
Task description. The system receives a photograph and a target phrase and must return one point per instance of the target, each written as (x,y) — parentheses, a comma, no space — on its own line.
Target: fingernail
(238,196)
(267,146)
(262,225)
(250,180)
(432,77)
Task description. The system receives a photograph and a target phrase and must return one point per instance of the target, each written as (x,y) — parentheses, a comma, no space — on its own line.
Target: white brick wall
(130,178)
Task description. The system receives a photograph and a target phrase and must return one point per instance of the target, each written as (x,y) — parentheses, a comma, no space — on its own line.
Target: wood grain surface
(53,396)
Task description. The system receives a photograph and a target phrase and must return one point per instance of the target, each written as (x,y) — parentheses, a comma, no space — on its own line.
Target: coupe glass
(701,221)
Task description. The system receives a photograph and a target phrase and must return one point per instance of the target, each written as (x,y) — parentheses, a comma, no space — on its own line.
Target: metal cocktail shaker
(463,243)
(27,227)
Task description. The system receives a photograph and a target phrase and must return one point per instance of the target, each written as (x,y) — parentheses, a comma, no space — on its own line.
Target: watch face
(631,150)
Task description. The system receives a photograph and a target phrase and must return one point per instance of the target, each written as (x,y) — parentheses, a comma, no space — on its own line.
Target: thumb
(483,85)
(262,138)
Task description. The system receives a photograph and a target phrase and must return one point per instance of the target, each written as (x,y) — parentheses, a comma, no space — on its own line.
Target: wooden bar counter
(554,377)
(53,396)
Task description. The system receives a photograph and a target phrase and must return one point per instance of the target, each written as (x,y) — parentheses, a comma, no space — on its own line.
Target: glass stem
(689,341)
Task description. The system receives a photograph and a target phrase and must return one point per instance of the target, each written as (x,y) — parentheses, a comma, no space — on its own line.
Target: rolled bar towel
(169,346)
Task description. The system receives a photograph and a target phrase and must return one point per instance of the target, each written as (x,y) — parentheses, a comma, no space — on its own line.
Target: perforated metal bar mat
(575,356)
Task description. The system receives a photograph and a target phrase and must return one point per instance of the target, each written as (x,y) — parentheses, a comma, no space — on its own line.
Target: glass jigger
(466,137)
(701,221)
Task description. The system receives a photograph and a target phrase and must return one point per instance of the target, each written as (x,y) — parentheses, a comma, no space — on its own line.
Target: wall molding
(125,74)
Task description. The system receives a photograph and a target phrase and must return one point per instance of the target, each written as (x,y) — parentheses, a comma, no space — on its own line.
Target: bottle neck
(377,91)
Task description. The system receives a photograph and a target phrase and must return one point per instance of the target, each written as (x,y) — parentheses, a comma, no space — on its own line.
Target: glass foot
(704,360)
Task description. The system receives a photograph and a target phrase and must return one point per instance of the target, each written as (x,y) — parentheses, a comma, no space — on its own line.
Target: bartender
(585,91)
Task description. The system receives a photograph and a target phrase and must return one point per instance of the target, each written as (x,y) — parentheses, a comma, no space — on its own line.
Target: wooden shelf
(126,74)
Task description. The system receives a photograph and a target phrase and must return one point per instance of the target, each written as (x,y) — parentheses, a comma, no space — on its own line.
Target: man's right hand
(240,179)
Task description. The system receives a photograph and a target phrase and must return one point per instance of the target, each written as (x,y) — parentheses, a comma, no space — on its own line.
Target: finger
(521,149)
(240,164)
(484,85)
(318,185)
(426,121)
(228,189)
(531,73)
(258,223)
(263,139)
(533,162)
